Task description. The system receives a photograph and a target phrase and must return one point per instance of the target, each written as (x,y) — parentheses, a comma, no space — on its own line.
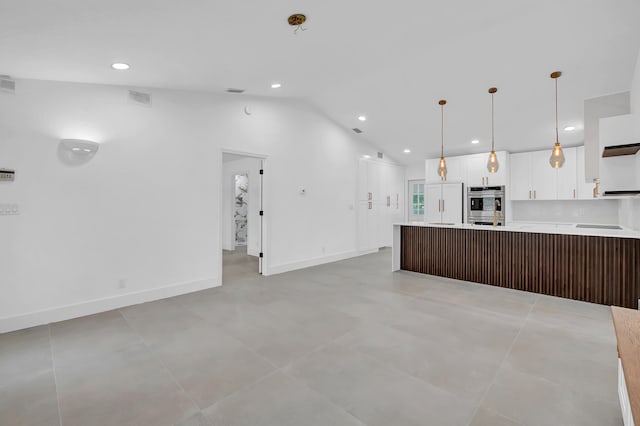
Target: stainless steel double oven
(486,205)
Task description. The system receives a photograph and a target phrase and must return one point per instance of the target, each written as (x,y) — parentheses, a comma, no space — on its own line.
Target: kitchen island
(588,264)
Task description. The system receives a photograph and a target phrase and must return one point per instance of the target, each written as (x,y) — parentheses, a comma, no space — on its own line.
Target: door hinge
(261,171)
(261,212)
(261,254)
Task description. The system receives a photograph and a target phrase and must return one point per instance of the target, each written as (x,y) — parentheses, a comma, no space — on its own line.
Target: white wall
(630,208)
(146,208)
(570,211)
(251,166)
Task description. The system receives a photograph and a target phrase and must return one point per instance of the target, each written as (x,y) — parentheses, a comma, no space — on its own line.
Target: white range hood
(620,172)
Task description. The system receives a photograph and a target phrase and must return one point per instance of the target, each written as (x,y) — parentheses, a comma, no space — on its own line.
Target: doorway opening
(242,216)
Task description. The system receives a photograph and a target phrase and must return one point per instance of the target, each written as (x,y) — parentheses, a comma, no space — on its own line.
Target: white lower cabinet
(625,404)
(443,203)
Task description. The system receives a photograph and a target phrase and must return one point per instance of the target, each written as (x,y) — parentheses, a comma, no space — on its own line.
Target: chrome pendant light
(442,165)
(557,156)
(492,163)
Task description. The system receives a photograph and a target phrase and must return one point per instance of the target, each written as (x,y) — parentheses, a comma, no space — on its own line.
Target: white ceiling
(391,61)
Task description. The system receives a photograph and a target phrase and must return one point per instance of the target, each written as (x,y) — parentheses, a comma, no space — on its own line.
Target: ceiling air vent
(7,84)
(380,155)
(355,129)
(140,98)
(232,90)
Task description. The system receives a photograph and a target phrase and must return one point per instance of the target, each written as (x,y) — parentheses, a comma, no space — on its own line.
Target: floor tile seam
(408,375)
(55,375)
(504,360)
(316,349)
(323,397)
(457,304)
(577,314)
(239,390)
(477,308)
(162,364)
(585,334)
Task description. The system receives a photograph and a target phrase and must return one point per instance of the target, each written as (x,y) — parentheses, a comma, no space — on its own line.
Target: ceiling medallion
(296,20)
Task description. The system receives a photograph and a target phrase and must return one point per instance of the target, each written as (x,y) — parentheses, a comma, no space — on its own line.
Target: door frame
(264,219)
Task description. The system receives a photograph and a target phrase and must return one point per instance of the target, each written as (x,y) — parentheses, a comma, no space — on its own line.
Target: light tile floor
(348,343)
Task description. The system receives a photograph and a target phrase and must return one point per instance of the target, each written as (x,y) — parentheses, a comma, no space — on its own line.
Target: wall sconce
(77,151)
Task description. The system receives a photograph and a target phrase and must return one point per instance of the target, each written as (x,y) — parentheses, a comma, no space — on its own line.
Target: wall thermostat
(7,175)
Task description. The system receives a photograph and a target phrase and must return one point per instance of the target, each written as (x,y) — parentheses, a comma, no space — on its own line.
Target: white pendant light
(492,163)
(442,165)
(557,156)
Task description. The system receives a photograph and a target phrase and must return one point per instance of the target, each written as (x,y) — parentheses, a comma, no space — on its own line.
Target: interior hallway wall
(141,220)
(251,166)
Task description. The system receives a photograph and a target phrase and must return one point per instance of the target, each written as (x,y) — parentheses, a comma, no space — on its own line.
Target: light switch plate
(9,209)
(7,175)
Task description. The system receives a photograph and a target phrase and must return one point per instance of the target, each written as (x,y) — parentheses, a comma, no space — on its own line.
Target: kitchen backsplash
(630,213)
(572,211)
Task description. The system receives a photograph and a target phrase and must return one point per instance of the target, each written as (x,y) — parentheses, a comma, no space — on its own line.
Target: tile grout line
(159,360)
(486,392)
(55,376)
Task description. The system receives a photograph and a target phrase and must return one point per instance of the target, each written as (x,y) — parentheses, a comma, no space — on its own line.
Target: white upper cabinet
(544,178)
(520,187)
(585,189)
(533,178)
(470,169)
(455,169)
(477,173)
(567,176)
(431,171)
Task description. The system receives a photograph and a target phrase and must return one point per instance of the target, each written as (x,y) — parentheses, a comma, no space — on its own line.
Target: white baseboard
(286,267)
(95,306)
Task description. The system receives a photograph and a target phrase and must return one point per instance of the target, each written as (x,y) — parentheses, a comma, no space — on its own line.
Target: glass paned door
(416,201)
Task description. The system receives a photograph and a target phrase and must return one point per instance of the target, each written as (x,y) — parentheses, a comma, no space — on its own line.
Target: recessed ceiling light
(475,141)
(75,149)
(276,85)
(569,128)
(120,66)
(366,156)
(362,118)
(407,151)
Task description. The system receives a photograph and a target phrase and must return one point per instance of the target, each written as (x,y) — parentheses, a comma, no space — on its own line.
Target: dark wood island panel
(595,269)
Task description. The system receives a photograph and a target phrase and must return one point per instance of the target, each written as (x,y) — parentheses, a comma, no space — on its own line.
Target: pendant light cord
(557,137)
(492,126)
(441,130)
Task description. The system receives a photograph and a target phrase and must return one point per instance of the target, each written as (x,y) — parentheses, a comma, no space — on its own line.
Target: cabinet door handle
(442,205)
(370,205)
(439,206)
(534,195)
(397,201)
(529,194)
(574,194)
(370,196)
(388,200)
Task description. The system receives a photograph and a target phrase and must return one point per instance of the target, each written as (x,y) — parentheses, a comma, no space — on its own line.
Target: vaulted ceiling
(390,61)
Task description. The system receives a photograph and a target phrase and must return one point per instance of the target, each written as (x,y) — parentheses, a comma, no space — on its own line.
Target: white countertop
(537,228)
